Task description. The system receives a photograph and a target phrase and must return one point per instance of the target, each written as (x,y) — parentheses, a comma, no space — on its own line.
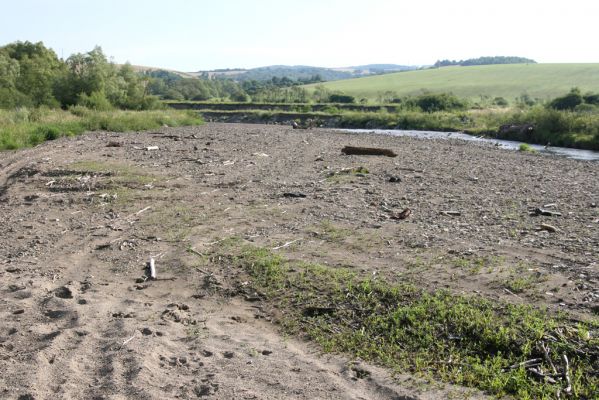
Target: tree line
(485,61)
(32,75)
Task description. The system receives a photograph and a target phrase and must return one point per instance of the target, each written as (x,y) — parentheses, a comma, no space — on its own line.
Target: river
(576,154)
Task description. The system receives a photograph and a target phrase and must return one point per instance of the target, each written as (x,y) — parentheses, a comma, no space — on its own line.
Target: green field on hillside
(543,81)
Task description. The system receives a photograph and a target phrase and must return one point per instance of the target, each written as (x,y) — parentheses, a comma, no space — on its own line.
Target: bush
(525,147)
(95,101)
(500,101)
(591,98)
(567,102)
(440,102)
(341,98)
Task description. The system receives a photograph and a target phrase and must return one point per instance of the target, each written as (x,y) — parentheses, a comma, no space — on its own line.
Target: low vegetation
(571,120)
(466,340)
(26,127)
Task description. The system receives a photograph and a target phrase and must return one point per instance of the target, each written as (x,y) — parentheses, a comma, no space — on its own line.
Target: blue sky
(191,35)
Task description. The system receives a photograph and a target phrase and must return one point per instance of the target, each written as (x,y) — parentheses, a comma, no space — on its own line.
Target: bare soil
(81,217)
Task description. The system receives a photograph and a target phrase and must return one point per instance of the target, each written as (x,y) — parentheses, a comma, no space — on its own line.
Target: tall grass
(29,127)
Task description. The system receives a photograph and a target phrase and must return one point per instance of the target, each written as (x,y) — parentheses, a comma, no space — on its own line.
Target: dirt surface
(81,217)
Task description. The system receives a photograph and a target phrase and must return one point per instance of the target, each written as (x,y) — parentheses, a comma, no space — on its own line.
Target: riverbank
(535,125)
(263,233)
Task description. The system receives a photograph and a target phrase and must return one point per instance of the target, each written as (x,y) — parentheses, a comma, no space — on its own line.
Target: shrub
(95,101)
(500,101)
(341,98)
(525,147)
(440,102)
(567,102)
(591,98)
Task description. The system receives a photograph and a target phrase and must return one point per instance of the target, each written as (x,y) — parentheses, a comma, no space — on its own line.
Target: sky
(187,35)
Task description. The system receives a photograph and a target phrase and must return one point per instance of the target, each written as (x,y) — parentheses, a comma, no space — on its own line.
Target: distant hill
(509,81)
(303,72)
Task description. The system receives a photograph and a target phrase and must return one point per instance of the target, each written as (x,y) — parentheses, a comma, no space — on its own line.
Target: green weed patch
(468,340)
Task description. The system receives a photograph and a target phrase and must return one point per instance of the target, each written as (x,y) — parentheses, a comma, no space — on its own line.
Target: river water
(575,154)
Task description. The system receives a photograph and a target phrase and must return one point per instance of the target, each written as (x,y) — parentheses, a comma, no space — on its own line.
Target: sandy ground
(80,218)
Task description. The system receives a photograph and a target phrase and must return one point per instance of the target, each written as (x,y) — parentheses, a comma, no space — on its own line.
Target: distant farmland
(509,81)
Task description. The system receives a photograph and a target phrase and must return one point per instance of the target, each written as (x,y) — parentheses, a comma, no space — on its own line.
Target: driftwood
(451,213)
(367,151)
(547,227)
(543,211)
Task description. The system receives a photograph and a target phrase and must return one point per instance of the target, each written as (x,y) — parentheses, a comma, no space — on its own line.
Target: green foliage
(32,75)
(500,101)
(25,128)
(568,101)
(439,102)
(467,340)
(485,61)
(525,147)
(30,70)
(341,98)
(591,98)
(95,101)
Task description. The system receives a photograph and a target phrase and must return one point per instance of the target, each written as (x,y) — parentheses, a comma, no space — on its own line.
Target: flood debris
(545,212)
(547,227)
(309,124)
(451,213)
(294,195)
(367,151)
(402,215)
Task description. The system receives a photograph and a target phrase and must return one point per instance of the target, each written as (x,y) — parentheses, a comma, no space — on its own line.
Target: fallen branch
(547,357)
(528,363)
(547,227)
(542,376)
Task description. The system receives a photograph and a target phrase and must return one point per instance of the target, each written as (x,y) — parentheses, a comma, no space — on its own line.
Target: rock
(63,292)
(146,331)
(19,311)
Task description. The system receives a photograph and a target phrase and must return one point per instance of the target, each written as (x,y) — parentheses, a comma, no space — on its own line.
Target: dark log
(367,151)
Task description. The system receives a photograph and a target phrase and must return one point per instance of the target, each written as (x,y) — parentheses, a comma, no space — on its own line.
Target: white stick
(130,339)
(145,209)
(286,244)
(152,269)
